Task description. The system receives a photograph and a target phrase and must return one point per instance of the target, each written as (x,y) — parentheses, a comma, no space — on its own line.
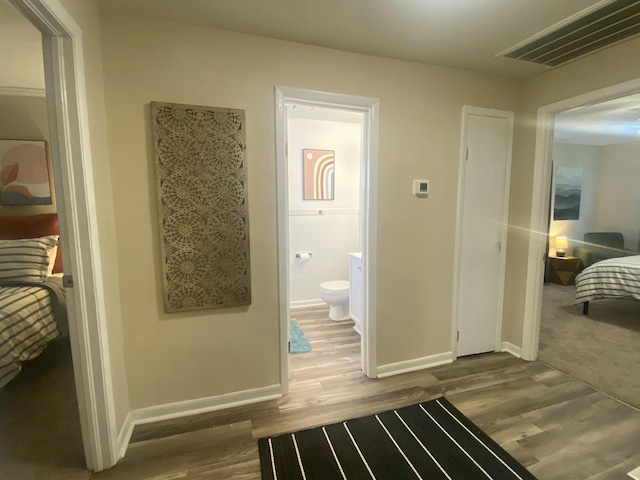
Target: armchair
(600,246)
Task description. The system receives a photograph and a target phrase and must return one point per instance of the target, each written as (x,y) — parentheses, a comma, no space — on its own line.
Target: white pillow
(26,260)
(52,255)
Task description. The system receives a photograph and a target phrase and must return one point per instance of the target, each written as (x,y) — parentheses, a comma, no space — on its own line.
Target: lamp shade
(562,242)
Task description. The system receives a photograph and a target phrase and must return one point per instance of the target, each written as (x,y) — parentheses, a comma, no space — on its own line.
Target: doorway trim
(462,168)
(73,176)
(370,108)
(540,204)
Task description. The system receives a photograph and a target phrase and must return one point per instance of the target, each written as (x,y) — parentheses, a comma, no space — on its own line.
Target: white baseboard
(306,303)
(125,435)
(512,349)
(186,408)
(415,364)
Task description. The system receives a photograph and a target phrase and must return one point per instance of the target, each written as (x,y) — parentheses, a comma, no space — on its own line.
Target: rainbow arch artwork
(319,167)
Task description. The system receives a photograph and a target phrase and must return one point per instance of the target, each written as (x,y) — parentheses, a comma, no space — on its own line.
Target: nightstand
(562,270)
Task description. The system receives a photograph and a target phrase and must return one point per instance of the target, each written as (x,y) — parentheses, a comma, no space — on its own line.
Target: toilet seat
(335,286)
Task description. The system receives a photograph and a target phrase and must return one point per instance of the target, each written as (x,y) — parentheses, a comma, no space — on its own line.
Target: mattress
(612,278)
(27,323)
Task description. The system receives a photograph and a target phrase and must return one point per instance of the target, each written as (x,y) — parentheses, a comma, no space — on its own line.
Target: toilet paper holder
(304,255)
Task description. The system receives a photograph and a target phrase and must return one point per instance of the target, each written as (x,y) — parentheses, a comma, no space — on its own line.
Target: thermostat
(421,188)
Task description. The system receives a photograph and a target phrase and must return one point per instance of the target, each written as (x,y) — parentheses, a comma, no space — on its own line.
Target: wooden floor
(557,427)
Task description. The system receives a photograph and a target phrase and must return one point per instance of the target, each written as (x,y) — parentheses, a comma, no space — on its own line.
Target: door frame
(370,107)
(540,200)
(462,169)
(73,176)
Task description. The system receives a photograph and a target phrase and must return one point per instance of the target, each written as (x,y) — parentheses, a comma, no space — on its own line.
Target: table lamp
(561,244)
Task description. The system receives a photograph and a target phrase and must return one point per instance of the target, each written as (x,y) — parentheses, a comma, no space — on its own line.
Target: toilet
(335,293)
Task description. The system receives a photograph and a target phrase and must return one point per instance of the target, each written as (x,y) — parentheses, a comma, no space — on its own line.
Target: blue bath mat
(299,342)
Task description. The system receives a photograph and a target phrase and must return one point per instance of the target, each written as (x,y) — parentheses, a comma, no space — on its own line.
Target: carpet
(299,342)
(600,349)
(431,440)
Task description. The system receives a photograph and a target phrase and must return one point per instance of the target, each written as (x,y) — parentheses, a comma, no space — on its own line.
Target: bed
(32,300)
(612,278)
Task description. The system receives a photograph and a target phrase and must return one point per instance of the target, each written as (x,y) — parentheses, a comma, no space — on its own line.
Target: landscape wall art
(568,193)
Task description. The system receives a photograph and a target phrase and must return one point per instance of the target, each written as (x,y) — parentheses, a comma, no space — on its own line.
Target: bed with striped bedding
(31,315)
(612,278)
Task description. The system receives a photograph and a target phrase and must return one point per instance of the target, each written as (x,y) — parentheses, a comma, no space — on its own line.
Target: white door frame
(462,168)
(540,205)
(370,108)
(73,176)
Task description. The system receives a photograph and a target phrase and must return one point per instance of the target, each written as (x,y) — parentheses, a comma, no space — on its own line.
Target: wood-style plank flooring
(557,427)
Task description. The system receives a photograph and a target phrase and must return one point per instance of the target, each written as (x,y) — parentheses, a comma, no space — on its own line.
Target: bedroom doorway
(542,183)
(368,108)
(71,165)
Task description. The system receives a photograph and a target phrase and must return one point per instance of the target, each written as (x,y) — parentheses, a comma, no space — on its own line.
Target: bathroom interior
(325,157)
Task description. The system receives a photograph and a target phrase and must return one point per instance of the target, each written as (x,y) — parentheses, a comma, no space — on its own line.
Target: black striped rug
(431,440)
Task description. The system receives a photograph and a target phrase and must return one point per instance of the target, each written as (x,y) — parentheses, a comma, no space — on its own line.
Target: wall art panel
(200,159)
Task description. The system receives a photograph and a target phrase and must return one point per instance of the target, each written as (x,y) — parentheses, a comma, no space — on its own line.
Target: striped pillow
(25,260)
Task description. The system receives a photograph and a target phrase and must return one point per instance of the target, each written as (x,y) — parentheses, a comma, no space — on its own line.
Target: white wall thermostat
(421,188)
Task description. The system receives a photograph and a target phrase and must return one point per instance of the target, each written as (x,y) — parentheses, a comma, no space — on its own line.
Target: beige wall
(173,357)
(600,70)
(85,13)
(25,118)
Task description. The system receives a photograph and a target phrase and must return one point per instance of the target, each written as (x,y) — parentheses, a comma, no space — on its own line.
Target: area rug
(430,440)
(299,342)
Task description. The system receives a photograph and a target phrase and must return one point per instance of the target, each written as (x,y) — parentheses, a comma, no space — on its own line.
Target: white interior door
(482,227)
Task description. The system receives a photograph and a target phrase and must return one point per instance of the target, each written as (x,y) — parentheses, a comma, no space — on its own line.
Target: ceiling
(465,34)
(439,38)
(607,123)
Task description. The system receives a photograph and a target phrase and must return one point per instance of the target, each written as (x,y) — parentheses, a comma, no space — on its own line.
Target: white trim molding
(23,92)
(73,175)
(509,347)
(306,303)
(540,204)
(168,411)
(415,364)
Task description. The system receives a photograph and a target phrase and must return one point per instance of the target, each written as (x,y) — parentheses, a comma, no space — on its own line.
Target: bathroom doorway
(326,150)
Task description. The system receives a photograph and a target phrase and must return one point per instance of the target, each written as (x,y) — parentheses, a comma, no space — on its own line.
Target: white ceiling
(607,123)
(465,34)
(459,33)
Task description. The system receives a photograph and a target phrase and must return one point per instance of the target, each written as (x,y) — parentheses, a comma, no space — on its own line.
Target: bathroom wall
(587,157)
(330,229)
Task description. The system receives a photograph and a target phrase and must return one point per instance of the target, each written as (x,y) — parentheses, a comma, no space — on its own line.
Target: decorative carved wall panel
(202,195)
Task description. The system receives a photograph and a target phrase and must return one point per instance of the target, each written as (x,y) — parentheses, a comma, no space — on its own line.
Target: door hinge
(467,155)
(67,281)
(458,336)
(286,150)
(289,347)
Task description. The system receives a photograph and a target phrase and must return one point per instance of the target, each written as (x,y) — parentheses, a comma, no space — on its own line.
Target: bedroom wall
(86,15)
(618,207)
(25,118)
(588,158)
(602,69)
(176,357)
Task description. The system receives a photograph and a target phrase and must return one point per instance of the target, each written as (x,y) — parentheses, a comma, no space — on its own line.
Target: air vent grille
(616,21)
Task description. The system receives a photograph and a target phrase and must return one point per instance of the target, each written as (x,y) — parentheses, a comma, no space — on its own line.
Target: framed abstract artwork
(318,168)
(568,193)
(24,173)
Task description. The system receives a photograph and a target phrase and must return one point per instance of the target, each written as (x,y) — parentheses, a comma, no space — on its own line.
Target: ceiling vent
(601,26)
